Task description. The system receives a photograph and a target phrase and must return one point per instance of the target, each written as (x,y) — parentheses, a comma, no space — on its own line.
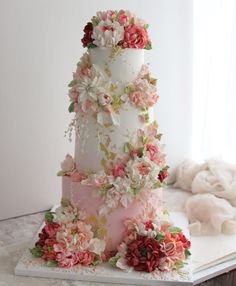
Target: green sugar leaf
(113,260)
(49,217)
(71,107)
(187,253)
(174,230)
(52,263)
(37,251)
(161,237)
(72,83)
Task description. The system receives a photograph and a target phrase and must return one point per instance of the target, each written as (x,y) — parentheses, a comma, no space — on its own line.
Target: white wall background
(39,48)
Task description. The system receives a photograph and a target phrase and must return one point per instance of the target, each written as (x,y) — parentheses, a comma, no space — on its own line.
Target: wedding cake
(112,186)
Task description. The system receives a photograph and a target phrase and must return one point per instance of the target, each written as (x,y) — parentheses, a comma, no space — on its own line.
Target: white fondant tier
(123,68)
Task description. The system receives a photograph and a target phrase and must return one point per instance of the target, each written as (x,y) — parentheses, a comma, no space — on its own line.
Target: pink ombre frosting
(86,198)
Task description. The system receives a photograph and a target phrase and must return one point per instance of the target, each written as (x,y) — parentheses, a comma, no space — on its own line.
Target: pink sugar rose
(143,169)
(123,18)
(78,177)
(66,259)
(152,150)
(152,99)
(84,71)
(73,94)
(51,229)
(169,248)
(135,37)
(119,170)
(48,250)
(85,258)
(137,98)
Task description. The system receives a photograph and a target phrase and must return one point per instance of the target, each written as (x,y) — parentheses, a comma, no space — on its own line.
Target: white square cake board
(30,266)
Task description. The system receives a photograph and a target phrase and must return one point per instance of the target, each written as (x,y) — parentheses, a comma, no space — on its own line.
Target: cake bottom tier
(109,226)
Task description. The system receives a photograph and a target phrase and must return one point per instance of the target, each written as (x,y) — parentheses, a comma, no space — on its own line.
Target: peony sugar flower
(143,254)
(85,258)
(67,259)
(108,34)
(135,37)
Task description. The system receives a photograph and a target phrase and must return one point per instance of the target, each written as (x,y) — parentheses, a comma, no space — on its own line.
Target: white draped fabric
(214,79)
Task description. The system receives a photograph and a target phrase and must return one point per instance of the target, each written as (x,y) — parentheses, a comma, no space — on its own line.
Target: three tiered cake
(112,188)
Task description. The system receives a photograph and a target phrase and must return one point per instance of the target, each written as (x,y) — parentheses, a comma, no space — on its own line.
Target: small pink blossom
(78,177)
(51,229)
(144,169)
(137,98)
(67,259)
(123,18)
(85,258)
(119,170)
(135,37)
(152,150)
(84,71)
(169,248)
(73,94)
(152,99)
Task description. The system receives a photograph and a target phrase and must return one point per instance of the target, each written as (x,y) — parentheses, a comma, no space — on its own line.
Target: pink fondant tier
(109,226)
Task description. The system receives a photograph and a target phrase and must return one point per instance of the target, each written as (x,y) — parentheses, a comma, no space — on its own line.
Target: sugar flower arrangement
(150,245)
(91,90)
(67,240)
(116,28)
(132,174)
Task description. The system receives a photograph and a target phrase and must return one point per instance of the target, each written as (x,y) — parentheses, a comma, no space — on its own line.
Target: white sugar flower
(108,34)
(142,172)
(97,246)
(89,87)
(68,165)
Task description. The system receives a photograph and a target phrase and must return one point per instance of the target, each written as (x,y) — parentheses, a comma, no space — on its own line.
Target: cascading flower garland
(67,240)
(116,28)
(92,91)
(151,245)
(139,170)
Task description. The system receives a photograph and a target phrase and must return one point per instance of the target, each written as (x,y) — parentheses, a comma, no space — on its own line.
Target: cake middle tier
(102,137)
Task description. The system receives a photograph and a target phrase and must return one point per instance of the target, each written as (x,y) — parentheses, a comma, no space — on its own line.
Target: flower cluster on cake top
(116,28)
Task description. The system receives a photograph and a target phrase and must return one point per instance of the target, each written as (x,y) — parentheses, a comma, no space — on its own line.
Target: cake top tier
(114,28)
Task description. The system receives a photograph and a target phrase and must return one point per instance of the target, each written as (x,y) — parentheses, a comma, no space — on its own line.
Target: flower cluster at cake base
(67,240)
(149,245)
(139,169)
(116,29)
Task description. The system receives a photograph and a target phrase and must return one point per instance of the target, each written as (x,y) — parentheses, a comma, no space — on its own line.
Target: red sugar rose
(88,30)
(143,254)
